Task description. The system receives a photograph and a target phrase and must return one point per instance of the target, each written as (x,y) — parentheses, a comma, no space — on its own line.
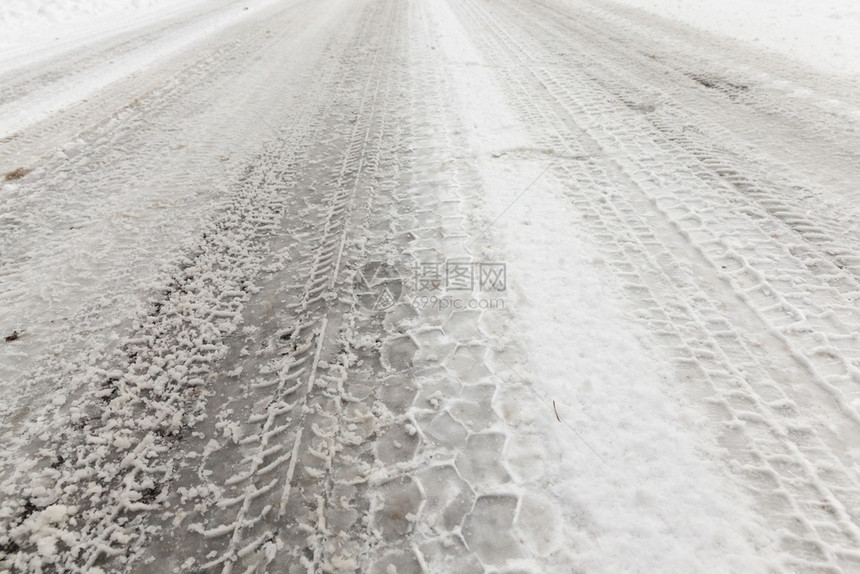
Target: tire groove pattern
(786,466)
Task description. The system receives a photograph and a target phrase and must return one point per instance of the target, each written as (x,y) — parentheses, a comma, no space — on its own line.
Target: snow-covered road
(438,286)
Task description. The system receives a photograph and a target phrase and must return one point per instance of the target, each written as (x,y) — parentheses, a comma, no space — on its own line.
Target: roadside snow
(67,11)
(823,33)
(46,100)
(28,25)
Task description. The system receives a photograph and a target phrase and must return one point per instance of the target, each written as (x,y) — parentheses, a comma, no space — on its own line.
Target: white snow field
(429,286)
(822,34)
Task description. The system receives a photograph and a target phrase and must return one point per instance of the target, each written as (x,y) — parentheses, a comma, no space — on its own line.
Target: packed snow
(197,374)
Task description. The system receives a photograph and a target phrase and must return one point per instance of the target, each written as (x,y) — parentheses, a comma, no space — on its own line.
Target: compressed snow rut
(275,413)
(296,400)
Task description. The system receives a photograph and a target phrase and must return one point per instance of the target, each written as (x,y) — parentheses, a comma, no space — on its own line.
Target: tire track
(659,238)
(279,532)
(99,479)
(97,216)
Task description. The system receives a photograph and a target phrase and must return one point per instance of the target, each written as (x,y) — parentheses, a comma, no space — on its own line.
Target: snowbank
(30,25)
(46,12)
(823,33)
